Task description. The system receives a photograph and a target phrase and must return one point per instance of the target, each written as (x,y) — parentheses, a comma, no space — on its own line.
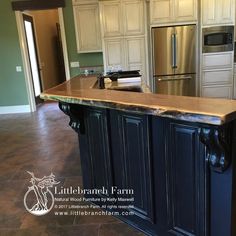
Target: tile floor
(42,143)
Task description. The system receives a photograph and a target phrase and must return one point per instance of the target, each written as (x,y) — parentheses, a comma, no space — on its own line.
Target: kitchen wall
(12,84)
(46,33)
(88,59)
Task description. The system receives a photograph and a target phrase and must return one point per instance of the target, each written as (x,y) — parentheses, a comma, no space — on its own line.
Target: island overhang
(79,90)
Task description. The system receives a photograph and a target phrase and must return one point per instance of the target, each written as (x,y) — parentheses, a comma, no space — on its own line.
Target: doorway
(64,65)
(33,56)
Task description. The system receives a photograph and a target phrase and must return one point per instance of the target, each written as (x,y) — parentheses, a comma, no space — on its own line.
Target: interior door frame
(30,18)
(25,55)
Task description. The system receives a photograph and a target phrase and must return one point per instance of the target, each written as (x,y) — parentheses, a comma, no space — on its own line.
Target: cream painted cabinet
(133,17)
(161,11)
(114,54)
(217,12)
(185,10)
(125,54)
(217,75)
(87,27)
(167,11)
(121,18)
(217,91)
(124,35)
(135,54)
(111,18)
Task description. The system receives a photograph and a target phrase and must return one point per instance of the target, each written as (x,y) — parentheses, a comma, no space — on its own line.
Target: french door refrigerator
(174,60)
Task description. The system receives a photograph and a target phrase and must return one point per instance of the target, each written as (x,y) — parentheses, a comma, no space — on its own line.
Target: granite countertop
(79,90)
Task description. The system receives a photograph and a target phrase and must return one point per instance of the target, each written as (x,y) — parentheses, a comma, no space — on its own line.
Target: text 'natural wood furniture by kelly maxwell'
(177,154)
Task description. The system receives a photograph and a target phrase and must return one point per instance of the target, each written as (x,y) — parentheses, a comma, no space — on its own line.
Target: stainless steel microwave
(217,39)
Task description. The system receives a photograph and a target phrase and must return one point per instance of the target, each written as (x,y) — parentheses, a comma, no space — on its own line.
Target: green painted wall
(12,84)
(88,59)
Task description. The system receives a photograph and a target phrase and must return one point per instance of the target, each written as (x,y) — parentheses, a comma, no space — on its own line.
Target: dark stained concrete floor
(42,143)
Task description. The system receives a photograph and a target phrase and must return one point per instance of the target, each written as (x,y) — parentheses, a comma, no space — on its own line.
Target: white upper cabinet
(88,35)
(133,17)
(166,11)
(218,12)
(227,12)
(209,12)
(161,11)
(122,18)
(186,10)
(111,18)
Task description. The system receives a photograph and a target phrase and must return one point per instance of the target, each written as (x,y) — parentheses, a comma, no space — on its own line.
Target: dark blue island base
(182,173)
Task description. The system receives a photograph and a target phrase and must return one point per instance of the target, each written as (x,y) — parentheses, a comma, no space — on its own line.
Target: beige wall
(46,32)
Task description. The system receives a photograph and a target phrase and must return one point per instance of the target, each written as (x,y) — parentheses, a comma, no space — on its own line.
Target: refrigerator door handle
(163,78)
(176,50)
(173,50)
(173,47)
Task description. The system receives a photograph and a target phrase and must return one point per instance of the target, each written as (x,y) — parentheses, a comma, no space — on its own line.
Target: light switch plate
(74,64)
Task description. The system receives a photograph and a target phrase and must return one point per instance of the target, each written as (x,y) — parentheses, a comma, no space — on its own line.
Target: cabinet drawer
(217,60)
(217,76)
(217,92)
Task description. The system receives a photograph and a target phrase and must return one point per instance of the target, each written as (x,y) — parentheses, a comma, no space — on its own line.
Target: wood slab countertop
(194,109)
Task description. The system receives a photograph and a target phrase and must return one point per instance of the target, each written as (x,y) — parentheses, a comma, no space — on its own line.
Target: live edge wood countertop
(194,109)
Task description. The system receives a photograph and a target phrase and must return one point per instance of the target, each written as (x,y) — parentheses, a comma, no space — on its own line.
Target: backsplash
(90,70)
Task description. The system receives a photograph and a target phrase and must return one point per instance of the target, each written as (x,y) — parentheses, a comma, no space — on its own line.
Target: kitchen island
(173,156)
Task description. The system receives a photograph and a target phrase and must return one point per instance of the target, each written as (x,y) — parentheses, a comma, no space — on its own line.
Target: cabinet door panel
(186,160)
(218,12)
(226,11)
(135,49)
(186,10)
(209,11)
(88,35)
(133,17)
(161,11)
(111,18)
(114,54)
(131,153)
(97,164)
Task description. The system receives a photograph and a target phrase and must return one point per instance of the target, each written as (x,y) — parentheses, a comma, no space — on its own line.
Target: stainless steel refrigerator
(174,60)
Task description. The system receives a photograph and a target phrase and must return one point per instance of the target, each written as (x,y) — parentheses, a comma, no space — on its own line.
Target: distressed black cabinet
(186,179)
(95,151)
(181,172)
(179,178)
(132,160)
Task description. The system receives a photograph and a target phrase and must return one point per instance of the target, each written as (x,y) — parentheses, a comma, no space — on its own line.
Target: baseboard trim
(14,109)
